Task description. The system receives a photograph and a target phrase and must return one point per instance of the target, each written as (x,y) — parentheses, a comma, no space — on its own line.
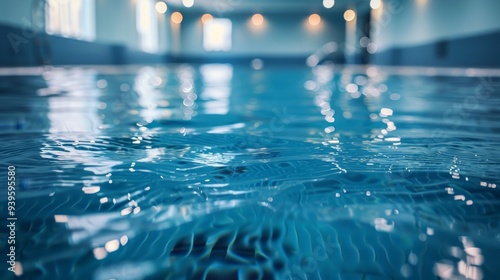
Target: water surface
(224,172)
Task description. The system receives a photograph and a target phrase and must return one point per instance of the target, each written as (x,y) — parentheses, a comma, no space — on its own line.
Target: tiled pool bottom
(225,172)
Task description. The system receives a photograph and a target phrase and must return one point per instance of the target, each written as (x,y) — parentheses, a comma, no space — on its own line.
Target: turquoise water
(225,172)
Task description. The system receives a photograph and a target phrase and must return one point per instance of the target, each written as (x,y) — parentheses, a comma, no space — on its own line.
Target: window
(147,26)
(71,18)
(217,35)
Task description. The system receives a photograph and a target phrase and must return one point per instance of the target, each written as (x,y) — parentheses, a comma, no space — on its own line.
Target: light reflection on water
(189,172)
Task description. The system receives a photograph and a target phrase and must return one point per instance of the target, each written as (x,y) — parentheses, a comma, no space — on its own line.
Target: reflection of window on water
(147,26)
(217,35)
(71,18)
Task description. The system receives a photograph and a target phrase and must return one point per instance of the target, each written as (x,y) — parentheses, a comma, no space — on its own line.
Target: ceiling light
(375,4)
(161,7)
(349,15)
(328,3)
(257,19)
(206,18)
(176,17)
(314,19)
(188,3)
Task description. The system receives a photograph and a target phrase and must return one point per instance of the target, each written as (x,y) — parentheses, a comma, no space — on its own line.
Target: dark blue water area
(226,172)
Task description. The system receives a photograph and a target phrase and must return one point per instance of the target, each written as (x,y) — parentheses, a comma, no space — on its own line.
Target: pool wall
(435,33)
(20,46)
(473,51)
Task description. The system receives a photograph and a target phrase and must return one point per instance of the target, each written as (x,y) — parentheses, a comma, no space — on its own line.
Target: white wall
(15,13)
(116,24)
(280,35)
(405,23)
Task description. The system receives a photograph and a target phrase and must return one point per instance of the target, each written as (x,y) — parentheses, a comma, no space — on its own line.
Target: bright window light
(71,18)
(217,35)
(147,26)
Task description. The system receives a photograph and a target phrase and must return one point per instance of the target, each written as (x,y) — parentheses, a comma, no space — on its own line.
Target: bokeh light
(161,7)
(176,17)
(257,19)
(314,19)
(328,3)
(371,48)
(349,15)
(206,18)
(375,4)
(257,64)
(188,3)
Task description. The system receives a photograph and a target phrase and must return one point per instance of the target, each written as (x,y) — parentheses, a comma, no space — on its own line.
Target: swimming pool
(218,171)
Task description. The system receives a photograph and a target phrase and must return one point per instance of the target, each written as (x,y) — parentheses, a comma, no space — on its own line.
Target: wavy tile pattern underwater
(224,172)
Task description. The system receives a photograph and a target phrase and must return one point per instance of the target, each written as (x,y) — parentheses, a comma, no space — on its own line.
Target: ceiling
(263,6)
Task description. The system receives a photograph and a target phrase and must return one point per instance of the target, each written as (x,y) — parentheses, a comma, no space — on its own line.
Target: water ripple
(220,172)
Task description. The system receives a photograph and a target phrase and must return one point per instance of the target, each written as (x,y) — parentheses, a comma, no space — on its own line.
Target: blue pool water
(225,172)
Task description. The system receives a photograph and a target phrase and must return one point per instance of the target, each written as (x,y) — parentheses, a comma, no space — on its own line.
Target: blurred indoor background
(459,33)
